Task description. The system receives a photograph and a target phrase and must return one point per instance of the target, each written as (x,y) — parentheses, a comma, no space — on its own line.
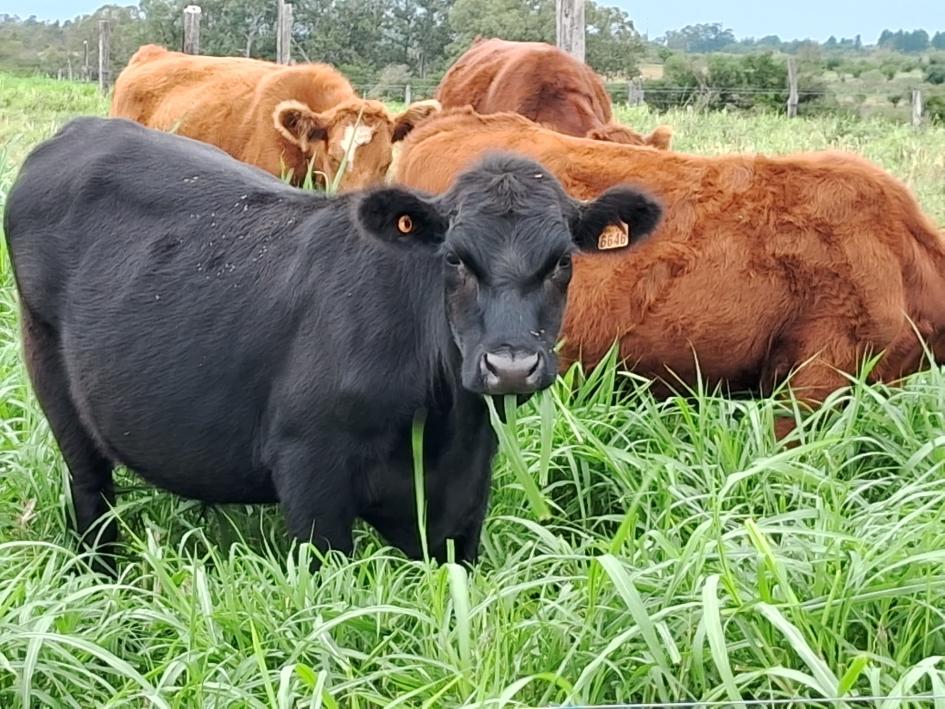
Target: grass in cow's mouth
(686,555)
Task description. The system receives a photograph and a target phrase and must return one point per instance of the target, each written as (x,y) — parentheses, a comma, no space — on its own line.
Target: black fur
(233,339)
(628,205)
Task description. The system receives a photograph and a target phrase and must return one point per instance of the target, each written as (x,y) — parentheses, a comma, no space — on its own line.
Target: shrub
(935,73)
(935,109)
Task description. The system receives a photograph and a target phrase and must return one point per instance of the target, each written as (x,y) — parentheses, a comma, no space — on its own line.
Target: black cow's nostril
(532,362)
(490,366)
(511,372)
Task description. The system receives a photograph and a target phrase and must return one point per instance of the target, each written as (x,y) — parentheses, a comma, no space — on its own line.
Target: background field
(687,555)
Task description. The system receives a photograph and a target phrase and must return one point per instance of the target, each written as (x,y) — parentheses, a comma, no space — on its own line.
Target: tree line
(411,38)
(712,37)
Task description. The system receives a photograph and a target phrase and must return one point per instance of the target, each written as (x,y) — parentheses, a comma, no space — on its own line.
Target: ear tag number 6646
(614,236)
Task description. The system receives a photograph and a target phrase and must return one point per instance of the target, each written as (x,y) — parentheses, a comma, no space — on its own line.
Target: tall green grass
(685,554)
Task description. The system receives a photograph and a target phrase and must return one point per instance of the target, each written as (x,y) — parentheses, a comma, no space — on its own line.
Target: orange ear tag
(614,236)
(404,224)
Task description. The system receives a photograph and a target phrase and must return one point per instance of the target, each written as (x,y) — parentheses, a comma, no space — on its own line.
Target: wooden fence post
(283,32)
(635,92)
(69,60)
(104,63)
(192,29)
(86,75)
(569,27)
(792,87)
(408,94)
(916,108)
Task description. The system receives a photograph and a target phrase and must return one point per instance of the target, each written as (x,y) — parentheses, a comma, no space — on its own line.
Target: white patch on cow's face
(355,137)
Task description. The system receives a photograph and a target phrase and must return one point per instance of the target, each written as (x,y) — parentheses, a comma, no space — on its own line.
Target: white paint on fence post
(104,63)
(283,32)
(192,29)
(569,27)
(408,94)
(792,87)
(916,107)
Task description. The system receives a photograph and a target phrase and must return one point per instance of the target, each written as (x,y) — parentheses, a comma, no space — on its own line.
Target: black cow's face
(506,232)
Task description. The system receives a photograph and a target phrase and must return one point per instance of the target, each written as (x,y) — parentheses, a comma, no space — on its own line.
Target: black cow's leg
(90,472)
(467,540)
(468,533)
(315,494)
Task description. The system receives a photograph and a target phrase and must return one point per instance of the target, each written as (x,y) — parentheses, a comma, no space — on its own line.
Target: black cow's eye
(565,261)
(453,260)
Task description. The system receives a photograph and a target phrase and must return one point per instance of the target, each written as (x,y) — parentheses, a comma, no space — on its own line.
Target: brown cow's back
(533,79)
(542,83)
(284,119)
(219,100)
(761,263)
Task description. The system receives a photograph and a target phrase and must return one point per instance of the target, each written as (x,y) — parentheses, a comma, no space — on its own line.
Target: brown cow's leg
(820,357)
(811,385)
(90,472)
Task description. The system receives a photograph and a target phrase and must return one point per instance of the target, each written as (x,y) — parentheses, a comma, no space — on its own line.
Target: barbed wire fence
(634,92)
(661,97)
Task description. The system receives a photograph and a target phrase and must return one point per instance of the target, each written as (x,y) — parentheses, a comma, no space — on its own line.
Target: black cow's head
(506,231)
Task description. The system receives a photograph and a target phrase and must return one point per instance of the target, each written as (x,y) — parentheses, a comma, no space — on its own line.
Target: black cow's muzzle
(511,372)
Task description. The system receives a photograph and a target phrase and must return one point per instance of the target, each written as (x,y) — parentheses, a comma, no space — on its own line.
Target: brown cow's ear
(299,124)
(415,112)
(619,217)
(615,133)
(661,137)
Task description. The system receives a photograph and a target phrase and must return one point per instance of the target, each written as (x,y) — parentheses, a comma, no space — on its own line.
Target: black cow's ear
(399,216)
(617,218)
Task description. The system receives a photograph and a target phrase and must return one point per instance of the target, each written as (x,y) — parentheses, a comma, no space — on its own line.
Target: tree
(938,41)
(518,20)
(613,44)
(345,33)
(700,38)
(915,41)
(416,32)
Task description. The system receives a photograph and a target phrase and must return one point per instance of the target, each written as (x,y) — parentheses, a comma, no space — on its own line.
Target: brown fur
(761,265)
(274,116)
(542,83)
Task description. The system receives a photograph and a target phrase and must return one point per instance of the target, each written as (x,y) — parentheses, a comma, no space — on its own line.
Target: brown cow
(281,118)
(542,83)
(763,266)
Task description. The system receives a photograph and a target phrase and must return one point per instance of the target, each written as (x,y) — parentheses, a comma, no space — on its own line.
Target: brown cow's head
(660,138)
(363,129)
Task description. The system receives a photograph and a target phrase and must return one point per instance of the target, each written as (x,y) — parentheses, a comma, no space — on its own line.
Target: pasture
(685,554)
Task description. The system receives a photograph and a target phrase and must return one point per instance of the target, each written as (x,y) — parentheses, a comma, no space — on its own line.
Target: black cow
(234,339)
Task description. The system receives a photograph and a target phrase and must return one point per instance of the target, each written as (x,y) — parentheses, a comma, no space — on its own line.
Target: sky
(792,19)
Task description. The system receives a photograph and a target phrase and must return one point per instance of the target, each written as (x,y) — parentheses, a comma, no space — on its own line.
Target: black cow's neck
(445,364)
